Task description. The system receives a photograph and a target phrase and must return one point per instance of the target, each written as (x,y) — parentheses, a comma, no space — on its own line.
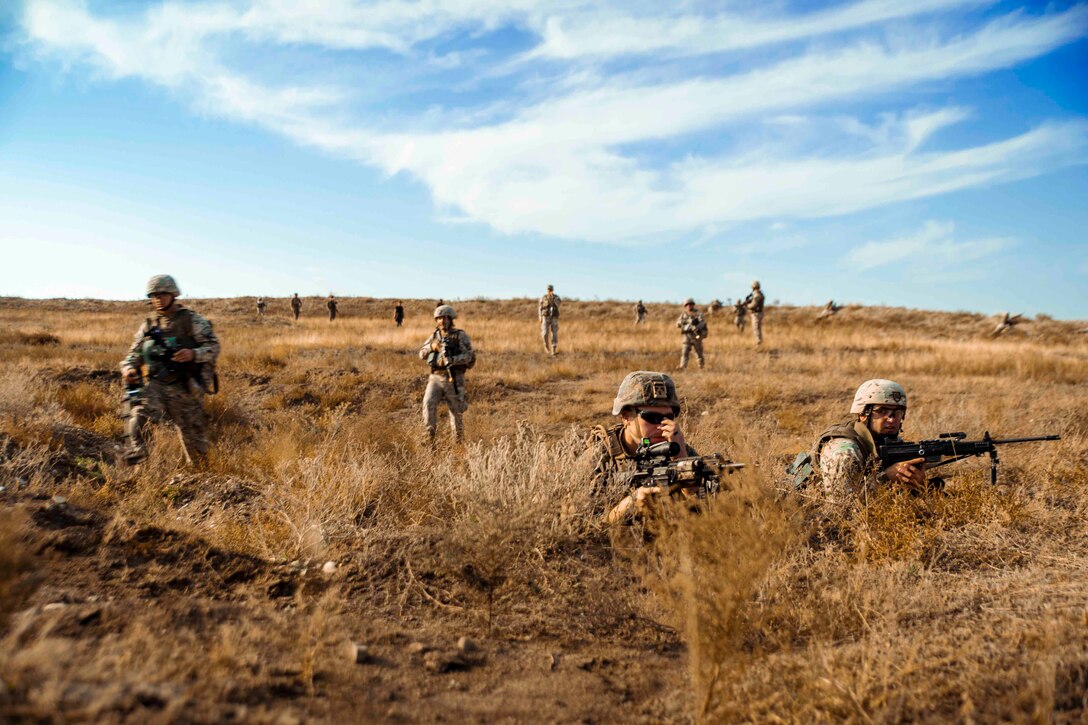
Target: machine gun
(657,467)
(949,448)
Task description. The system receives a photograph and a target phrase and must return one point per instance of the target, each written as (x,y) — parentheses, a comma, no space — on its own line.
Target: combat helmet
(444,311)
(755,284)
(878,392)
(689,301)
(162,283)
(646,389)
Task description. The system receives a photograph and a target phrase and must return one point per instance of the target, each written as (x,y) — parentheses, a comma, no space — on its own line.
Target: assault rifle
(949,448)
(657,467)
(163,353)
(445,350)
(131,398)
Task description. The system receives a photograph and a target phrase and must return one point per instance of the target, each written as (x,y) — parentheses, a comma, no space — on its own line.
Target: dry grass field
(170,594)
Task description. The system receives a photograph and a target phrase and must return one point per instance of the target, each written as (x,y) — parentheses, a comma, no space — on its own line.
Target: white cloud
(558,165)
(934,243)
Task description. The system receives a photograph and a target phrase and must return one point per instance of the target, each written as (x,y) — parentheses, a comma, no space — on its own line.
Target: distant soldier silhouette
(260,306)
(331,307)
(640,313)
(296,306)
(693,327)
(398,313)
(740,310)
(548,310)
(755,308)
(829,310)
(1007,323)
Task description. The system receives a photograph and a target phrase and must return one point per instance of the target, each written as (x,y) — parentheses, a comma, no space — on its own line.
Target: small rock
(551,661)
(329,568)
(53,606)
(466,646)
(358,653)
(417,648)
(59,500)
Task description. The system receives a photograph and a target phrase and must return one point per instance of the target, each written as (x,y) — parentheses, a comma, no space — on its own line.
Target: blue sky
(929,153)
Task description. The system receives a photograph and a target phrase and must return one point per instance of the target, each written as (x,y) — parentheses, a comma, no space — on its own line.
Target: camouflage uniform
(440,387)
(755,306)
(691,324)
(640,313)
(1007,323)
(331,307)
(845,454)
(260,306)
(548,310)
(165,396)
(739,312)
(296,305)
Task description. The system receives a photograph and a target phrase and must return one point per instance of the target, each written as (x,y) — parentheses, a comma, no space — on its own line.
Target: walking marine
(331,307)
(398,313)
(260,306)
(296,305)
(448,352)
(693,327)
(173,356)
(548,310)
(740,309)
(640,313)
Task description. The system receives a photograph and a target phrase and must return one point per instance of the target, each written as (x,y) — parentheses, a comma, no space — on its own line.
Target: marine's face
(689,307)
(161,301)
(445,324)
(637,428)
(886,420)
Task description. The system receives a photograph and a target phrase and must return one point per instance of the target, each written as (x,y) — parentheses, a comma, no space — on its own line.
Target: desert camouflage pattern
(207,344)
(1007,322)
(439,386)
(443,310)
(260,306)
(165,398)
(755,307)
(646,389)
(688,322)
(549,305)
(178,403)
(878,392)
(740,312)
(162,283)
(846,469)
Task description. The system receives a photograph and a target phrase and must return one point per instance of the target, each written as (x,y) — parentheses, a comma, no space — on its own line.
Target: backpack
(803,468)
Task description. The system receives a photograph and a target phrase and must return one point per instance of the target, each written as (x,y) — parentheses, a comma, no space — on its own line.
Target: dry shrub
(706,565)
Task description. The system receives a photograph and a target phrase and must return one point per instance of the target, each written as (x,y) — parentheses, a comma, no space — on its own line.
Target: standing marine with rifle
(448,352)
(172,365)
(693,327)
(548,312)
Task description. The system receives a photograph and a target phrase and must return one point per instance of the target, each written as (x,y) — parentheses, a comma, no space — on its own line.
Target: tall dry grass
(967,605)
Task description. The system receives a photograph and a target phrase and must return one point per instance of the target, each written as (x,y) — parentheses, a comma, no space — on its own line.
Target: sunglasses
(654,418)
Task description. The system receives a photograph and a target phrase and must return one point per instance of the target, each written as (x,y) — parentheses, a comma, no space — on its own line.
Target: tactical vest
(805,465)
(178,331)
(551,306)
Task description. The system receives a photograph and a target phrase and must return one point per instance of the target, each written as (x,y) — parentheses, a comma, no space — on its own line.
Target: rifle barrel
(997,441)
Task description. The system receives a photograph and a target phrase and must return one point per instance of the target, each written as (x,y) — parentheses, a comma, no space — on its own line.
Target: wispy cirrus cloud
(935,243)
(563,154)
